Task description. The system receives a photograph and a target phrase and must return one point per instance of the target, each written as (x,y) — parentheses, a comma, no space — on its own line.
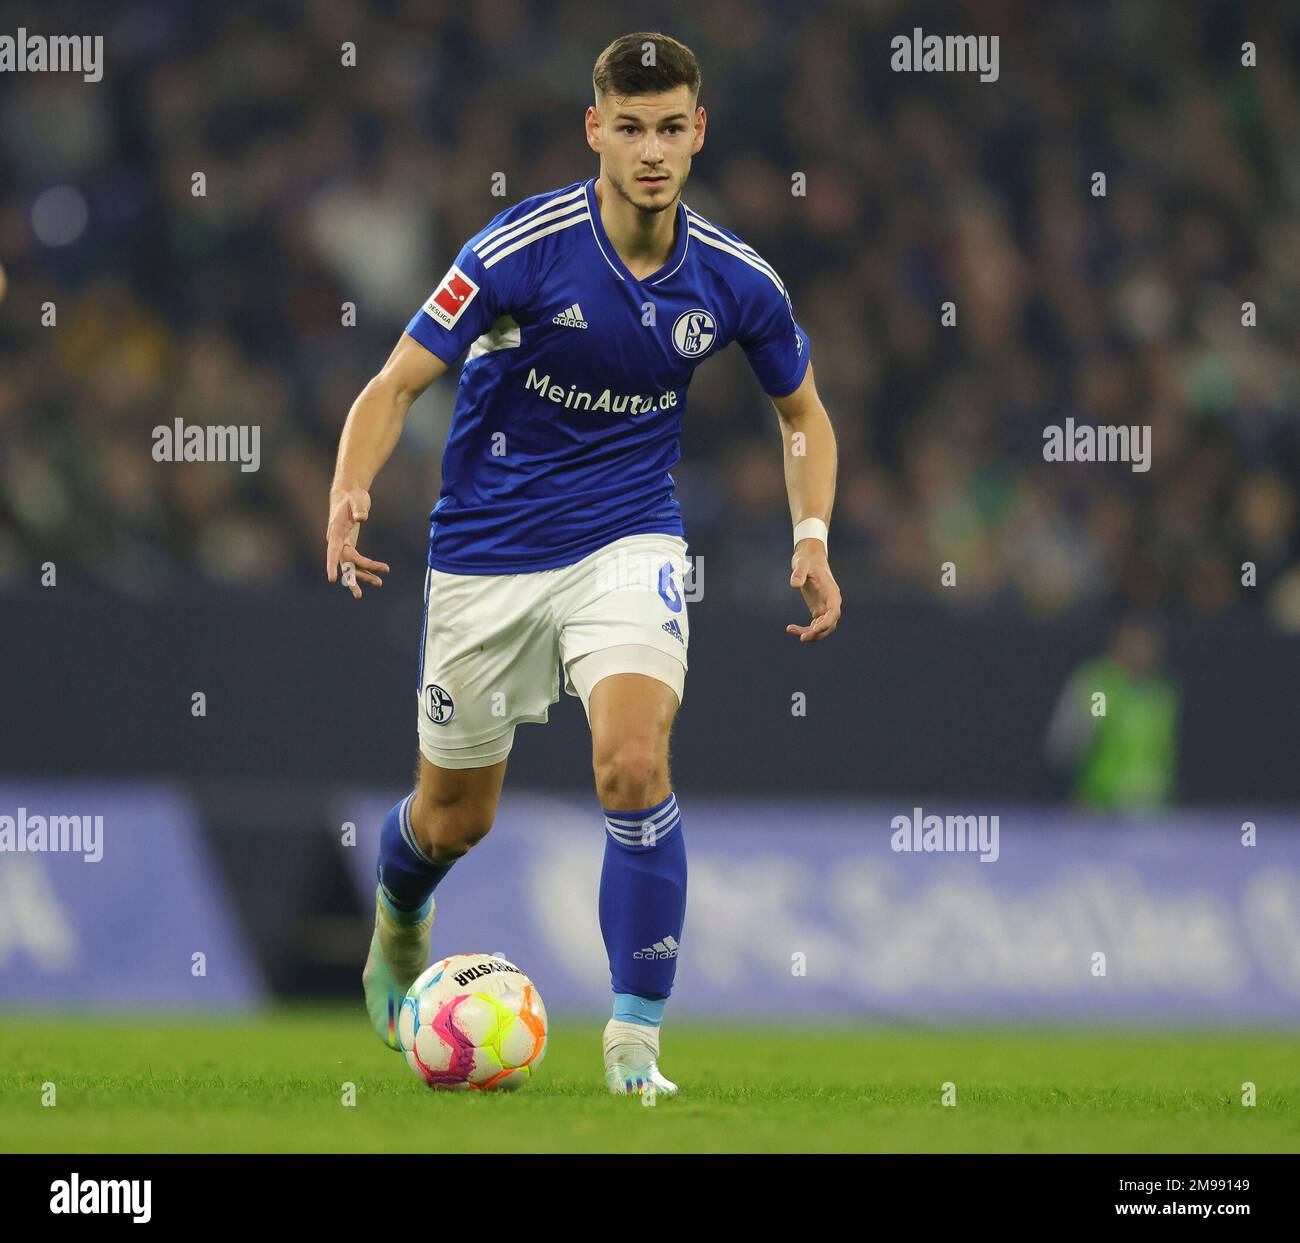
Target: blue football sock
(407,876)
(643,907)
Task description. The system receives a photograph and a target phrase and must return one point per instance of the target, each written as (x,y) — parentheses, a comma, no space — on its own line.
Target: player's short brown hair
(645,63)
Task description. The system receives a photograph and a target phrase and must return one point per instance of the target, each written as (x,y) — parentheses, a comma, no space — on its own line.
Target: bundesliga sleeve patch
(454,293)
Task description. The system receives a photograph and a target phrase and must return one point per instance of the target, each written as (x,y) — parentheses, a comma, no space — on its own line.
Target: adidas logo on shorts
(571,317)
(674,629)
(667,948)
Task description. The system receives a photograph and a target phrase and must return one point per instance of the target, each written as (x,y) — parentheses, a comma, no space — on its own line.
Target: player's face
(646,143)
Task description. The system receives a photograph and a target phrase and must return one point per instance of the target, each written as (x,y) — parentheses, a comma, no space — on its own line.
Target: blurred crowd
(326,184)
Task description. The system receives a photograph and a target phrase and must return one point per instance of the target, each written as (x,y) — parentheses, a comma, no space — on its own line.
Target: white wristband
(811,528)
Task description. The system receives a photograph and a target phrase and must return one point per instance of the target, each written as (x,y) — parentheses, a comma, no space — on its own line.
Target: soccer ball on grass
(473,1021)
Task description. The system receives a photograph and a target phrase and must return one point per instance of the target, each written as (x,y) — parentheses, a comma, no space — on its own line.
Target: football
(473,1021)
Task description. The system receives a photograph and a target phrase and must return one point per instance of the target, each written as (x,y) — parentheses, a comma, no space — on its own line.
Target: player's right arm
(370,434)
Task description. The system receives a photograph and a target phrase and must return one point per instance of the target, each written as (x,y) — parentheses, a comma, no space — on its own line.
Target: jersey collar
(675,260)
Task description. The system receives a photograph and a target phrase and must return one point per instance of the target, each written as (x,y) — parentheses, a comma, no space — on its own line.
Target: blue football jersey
(567,422)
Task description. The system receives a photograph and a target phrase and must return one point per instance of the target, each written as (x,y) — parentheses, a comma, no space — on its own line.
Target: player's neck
(643,240)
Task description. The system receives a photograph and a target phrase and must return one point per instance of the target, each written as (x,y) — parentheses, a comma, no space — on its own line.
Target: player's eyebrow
(680,116)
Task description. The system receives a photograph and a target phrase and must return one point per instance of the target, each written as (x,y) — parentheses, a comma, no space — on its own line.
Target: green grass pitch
(275,1083)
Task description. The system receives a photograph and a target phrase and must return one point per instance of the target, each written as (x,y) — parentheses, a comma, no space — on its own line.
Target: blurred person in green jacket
(1115,726)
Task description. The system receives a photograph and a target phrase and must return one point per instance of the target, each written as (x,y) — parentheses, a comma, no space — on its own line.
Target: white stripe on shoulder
(723,244)
(485,247)
(709,227)
(537,211)
(567,223)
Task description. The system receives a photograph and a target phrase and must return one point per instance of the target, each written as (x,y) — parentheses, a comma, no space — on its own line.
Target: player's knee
(630,776)
(448,828)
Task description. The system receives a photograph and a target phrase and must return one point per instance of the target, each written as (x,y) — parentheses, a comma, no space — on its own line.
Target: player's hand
(811,573)
(349,508)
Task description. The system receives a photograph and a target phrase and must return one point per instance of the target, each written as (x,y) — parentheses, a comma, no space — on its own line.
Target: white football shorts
(493,644)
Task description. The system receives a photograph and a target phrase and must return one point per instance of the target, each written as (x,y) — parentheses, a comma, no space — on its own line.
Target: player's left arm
(810,465)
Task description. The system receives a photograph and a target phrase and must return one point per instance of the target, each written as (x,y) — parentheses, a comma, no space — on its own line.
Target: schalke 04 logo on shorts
(438,704)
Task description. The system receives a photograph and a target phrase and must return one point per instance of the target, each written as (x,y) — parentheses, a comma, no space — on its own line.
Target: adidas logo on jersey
(667,948)
(673,629)
(571,318)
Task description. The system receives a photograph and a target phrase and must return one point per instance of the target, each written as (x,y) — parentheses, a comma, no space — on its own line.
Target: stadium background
(226,833)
